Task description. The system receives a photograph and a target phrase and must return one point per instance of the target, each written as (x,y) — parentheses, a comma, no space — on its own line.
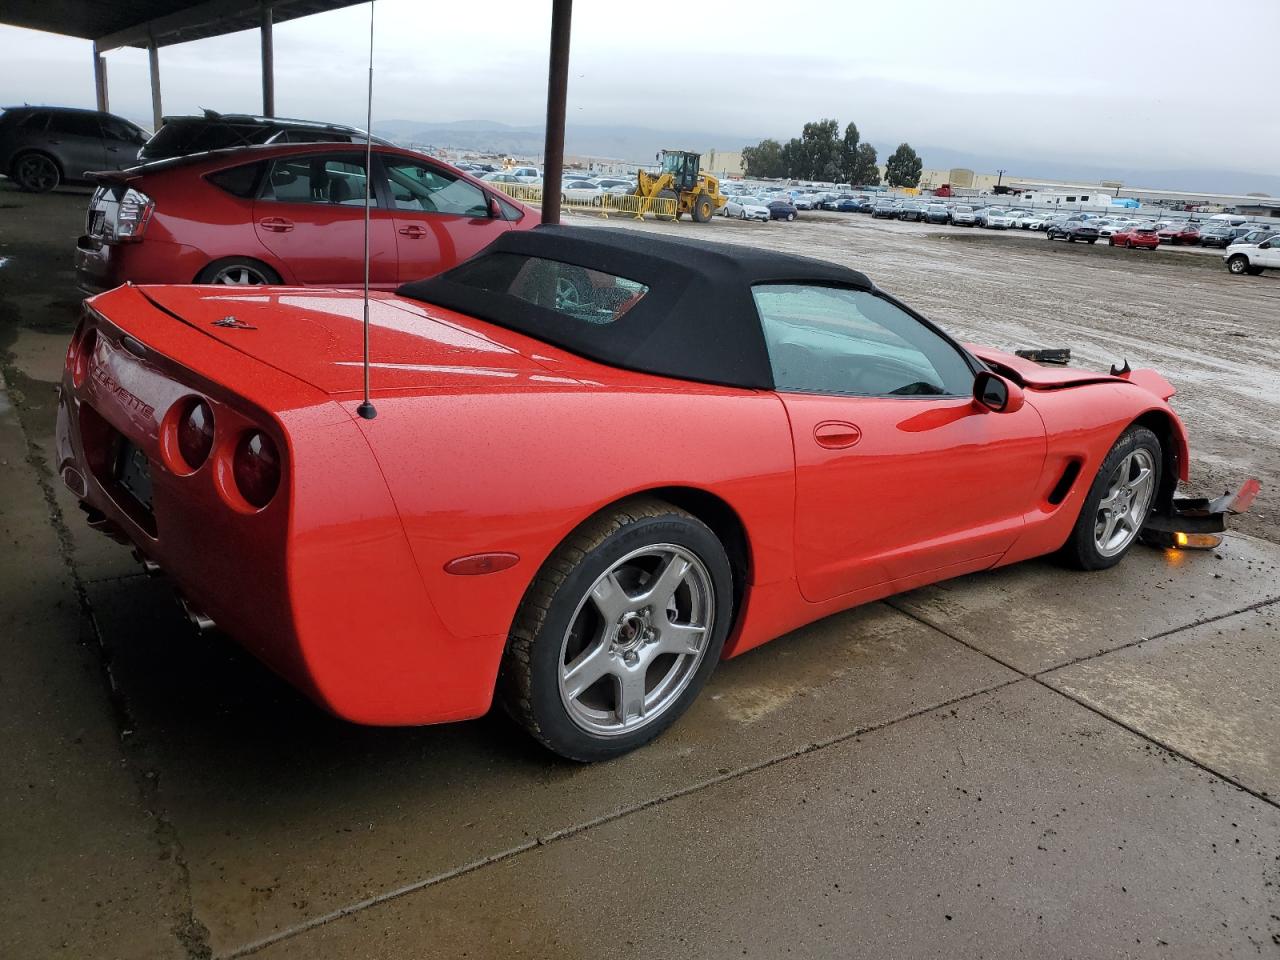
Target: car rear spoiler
(1196,522)
(111,178)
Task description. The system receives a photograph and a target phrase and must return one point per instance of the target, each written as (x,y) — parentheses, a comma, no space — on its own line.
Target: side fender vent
(1063,486)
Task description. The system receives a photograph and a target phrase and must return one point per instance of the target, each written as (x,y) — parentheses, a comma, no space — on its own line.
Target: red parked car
(1176,233)
(291,214)
(598,461)
(1134,236)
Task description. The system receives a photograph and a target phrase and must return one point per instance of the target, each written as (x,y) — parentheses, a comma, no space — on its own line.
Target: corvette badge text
(132,403)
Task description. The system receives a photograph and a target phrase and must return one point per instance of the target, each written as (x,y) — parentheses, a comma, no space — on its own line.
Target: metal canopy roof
(139,23)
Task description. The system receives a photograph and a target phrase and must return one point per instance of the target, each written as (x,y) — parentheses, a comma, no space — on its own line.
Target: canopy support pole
(153,60)
(268,65)
(100,78)
(557,94)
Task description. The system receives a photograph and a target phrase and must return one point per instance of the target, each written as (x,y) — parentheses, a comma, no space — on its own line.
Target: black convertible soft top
(697,321)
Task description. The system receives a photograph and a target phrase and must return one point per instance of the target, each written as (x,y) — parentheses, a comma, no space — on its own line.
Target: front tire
(618,632)
(1118,503)
(1239,264)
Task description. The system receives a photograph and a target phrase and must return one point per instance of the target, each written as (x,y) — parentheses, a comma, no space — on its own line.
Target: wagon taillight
(256,468)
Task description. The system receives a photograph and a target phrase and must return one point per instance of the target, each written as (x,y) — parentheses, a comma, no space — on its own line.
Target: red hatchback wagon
(289,214)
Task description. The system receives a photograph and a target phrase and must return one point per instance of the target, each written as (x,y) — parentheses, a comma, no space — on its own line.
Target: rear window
(75,125)
(579,293)
(238,181)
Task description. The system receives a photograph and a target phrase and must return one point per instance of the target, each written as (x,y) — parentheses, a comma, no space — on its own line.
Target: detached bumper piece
(1197,523)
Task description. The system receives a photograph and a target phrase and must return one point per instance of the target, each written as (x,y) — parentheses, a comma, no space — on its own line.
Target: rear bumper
(103,266)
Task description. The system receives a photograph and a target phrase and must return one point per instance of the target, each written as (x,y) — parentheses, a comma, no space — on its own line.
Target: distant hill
(639,144)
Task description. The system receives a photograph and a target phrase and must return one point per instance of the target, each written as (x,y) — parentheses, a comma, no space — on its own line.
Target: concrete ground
(1021,763)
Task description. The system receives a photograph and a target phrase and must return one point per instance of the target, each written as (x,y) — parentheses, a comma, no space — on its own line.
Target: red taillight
(256,468)
(195,433)
(80,357)
(73,347)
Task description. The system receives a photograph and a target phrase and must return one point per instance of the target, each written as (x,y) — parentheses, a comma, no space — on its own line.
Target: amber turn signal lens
(195,434)
(256,468)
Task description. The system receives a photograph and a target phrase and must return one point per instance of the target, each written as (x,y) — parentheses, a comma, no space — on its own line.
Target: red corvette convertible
(599,462)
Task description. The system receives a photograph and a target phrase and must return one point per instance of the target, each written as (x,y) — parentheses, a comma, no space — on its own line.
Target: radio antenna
(366,408)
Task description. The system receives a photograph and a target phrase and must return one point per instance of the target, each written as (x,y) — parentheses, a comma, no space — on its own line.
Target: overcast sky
(1143,85)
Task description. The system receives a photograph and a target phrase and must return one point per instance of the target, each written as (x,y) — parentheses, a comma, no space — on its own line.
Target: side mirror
(495,209)
(1265,245)
(997,394)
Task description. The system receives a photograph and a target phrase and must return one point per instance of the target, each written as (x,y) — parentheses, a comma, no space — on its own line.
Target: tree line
(821,153)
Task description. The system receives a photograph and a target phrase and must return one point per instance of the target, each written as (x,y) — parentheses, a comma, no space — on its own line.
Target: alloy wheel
(636,639)
(239,275)
(37,173)
(1123,510)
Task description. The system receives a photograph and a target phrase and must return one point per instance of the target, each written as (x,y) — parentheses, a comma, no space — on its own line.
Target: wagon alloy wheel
(36,173)
(1123,510)
(636,639)
(1117,503)
(618,631)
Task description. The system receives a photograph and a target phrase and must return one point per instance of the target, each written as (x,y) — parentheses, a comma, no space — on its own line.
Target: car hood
(1035,376)
(317,337)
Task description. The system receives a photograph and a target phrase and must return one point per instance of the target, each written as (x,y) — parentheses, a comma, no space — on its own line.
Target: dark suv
(41,147)
(181,136)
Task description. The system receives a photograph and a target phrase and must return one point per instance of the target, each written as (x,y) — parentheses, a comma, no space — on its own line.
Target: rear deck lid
(317,337)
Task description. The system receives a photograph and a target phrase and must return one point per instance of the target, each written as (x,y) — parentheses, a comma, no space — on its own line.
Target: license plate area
(133,473)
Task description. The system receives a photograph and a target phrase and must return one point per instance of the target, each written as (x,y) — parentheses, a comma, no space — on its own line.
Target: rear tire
(238,271)
(703,209)
(618,631)
(790,217)
(1118,503)
(36,172)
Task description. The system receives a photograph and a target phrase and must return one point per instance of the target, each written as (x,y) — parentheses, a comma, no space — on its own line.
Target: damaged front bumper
(1197,523)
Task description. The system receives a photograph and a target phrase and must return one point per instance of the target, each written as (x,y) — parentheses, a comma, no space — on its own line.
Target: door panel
(310,215)
(440,219)
(893,487)
(76,140)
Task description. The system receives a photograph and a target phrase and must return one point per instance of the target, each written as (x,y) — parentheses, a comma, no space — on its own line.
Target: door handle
(836,434)
(276,224)
(413,231)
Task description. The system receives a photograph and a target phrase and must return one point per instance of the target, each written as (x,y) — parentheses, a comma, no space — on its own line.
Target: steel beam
(100,79)
(153,60)
(268,65)
(557,94)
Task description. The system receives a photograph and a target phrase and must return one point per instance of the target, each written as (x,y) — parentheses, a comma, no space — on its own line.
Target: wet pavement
(1027,762)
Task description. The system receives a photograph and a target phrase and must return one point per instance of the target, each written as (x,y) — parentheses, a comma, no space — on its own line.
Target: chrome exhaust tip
(198,620)
(149,566)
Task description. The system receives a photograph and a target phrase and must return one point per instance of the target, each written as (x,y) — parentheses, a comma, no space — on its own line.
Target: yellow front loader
(681,179)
